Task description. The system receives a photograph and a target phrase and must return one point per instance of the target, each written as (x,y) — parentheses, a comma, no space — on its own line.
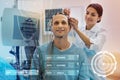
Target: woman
(91,36)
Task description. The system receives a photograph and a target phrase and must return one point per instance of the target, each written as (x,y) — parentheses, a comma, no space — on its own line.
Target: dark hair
(62,14)
(98,8)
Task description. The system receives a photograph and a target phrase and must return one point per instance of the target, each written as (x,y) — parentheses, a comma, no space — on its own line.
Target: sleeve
(84,69)
(98,41)
(35,71)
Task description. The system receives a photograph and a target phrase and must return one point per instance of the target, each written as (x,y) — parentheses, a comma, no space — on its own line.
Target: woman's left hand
(66,12)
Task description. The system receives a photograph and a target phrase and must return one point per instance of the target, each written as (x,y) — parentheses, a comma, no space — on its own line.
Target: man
(60,59)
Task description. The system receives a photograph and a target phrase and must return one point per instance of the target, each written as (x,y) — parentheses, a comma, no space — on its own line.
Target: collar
(95,28)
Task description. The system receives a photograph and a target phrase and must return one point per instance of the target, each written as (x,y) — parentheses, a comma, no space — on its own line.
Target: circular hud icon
(103,63)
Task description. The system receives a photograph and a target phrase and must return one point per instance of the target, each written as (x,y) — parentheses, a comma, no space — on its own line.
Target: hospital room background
(110,20)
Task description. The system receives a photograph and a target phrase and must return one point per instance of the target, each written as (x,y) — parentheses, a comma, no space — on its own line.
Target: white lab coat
(97,36)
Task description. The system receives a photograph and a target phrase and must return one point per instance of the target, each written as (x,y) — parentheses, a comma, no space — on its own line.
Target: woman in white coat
(91,35)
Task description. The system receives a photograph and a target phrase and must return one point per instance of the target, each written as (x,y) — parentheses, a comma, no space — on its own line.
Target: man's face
(60,26)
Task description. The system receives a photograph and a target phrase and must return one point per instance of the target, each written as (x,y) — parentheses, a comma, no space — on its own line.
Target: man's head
(60,25)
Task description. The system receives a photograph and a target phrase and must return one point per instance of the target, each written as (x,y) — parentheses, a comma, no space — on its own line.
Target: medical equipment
(20,28)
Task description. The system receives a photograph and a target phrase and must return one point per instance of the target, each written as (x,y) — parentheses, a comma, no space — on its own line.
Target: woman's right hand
(73,23)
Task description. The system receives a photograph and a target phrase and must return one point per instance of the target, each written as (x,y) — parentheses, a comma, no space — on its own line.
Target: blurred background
(110,20)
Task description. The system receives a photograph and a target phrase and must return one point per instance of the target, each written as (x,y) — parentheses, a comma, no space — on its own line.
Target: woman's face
(91,16)
(60,26)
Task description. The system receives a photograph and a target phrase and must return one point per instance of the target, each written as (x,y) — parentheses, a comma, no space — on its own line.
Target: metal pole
(15,4)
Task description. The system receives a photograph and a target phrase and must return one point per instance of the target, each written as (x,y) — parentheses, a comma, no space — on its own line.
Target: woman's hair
(97,7)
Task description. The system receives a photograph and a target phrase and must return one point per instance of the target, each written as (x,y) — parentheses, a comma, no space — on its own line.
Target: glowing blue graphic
(62,64)
(103,63)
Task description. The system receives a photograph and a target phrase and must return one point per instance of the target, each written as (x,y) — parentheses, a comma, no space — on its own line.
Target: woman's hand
(73,23)
(66,12)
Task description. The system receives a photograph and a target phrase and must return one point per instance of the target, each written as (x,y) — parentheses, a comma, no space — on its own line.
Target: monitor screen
(20,28)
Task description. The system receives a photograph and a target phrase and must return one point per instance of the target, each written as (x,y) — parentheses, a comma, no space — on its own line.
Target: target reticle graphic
(103,63)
